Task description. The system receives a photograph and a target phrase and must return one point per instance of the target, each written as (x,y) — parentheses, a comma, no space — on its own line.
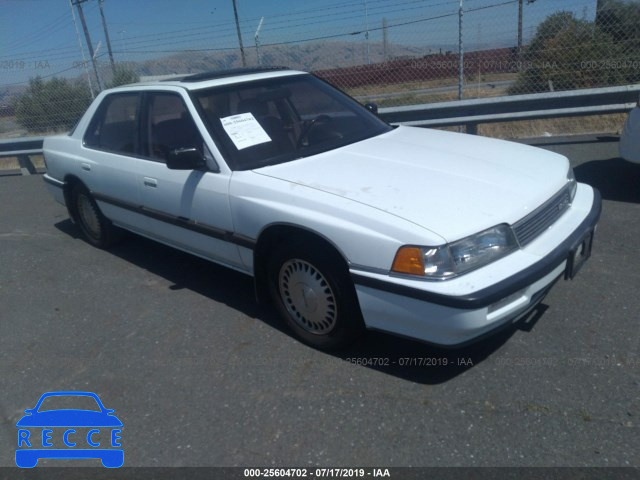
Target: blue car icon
(69,433)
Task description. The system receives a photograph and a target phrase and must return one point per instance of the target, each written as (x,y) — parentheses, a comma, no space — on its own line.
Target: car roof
(220,77)
(234,72)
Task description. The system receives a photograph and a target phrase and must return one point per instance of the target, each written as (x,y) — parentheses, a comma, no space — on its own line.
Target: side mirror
(185,159)
(372,107)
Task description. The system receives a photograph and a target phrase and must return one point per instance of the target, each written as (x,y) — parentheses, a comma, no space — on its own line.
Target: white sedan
(344,222)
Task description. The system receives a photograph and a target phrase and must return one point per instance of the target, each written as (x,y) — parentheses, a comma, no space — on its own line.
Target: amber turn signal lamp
(408,260)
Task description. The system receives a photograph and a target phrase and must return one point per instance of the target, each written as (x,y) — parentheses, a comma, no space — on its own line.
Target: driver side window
(169,126)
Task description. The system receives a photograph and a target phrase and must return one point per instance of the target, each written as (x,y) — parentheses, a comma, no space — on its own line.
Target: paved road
(201,376)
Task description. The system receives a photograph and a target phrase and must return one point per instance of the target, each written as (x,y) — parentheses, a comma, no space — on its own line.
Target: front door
(188,209)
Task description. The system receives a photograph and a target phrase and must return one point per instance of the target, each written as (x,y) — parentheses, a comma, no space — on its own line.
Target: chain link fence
(393,53)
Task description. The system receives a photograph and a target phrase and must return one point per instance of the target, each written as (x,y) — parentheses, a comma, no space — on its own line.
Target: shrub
(122,76)
(53,105)
(567,53)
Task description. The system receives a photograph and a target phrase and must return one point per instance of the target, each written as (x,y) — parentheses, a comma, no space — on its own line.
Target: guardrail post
(471,128)
(26,165)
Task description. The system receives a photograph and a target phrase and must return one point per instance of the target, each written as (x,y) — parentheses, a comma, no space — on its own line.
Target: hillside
(308,56)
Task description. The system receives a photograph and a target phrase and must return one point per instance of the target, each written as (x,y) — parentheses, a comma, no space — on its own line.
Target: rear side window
(115,124)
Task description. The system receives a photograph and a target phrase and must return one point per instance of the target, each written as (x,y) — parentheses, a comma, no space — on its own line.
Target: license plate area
(578,255)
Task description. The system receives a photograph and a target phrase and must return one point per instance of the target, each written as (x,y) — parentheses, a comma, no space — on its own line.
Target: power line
(204,33)
(136,44)
(35,54)
(228,27)
(331,36)
(308,39)
(37,34)
(357,16)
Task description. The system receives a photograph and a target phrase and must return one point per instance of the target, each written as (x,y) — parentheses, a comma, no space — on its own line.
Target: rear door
(109,160)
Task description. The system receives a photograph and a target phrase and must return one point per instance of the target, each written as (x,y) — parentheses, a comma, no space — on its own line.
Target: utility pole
(106,36)
(385,40)
(78,3)
(520,15)
(257,40)
(84,62)
(520,28)
(235,14)
(520,39)
(366,35)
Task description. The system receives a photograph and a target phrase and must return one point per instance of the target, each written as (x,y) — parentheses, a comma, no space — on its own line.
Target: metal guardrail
(469,113)
(22,148)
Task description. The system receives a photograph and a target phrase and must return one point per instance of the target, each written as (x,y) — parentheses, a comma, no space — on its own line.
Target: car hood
(451,184)
(69,418)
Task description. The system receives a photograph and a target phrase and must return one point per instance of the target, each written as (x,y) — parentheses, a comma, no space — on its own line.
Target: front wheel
(313,293)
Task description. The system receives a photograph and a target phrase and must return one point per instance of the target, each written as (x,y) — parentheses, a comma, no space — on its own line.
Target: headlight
(455,258)
(573,185)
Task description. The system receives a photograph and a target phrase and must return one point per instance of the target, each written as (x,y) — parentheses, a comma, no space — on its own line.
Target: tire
(313,293)
(95,227)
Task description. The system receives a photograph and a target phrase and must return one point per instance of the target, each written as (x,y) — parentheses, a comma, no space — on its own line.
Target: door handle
(85,166)
(150,182)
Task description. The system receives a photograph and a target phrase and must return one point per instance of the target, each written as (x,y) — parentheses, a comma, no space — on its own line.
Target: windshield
(281,119)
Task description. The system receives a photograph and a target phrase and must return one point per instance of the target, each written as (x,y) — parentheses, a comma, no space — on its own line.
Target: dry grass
(437,83)
(11,163)
(555,126)
(518,129)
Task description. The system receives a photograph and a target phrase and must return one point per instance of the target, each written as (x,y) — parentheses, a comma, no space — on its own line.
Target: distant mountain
(310,56)
(307,56)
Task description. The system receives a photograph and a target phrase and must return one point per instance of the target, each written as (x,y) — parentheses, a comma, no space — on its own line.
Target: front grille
(539,220)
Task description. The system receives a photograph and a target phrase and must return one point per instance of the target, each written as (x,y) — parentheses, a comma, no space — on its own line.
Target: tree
(567,53)
(123,76)
(53,105)
(621,20)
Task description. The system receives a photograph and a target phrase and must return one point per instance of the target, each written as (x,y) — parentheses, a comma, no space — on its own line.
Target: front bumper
(427,311)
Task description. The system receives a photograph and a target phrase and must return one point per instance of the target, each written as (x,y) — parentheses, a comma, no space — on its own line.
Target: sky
(40,37)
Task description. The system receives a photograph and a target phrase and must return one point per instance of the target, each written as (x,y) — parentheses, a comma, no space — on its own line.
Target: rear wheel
(95,227)
(313,293)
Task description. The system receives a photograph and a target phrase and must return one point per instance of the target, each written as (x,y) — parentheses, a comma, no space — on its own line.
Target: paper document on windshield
(244,130)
